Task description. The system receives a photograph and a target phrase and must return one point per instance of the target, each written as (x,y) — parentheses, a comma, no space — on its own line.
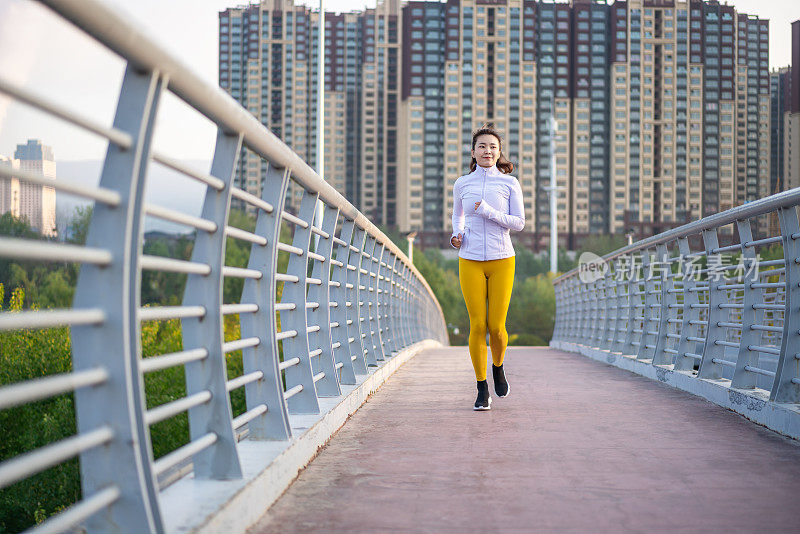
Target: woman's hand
(478,203)
(456,240)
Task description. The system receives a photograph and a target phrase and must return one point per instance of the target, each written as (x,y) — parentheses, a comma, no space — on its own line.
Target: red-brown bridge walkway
(578,446)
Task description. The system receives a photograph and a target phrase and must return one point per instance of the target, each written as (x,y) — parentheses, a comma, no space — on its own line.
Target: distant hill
(164,187)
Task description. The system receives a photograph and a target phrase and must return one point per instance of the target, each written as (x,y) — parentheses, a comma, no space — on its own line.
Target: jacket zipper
(483,196)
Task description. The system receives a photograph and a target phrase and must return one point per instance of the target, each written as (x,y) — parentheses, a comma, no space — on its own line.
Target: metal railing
(351,302)
(681,301)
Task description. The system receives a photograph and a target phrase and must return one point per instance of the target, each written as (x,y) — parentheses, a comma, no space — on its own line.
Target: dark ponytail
(505,166)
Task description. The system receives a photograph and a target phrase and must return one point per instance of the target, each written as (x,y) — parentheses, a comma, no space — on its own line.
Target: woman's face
(487,150)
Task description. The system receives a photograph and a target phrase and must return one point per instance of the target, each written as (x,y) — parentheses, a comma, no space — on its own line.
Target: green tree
(531,313)
(56,290)
(11,226)
(17,227)
(445,285)
(78,226)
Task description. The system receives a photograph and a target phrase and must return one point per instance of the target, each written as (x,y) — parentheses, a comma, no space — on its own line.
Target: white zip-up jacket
(486,231)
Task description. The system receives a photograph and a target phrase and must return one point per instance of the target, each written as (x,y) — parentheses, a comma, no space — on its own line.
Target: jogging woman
(487,204)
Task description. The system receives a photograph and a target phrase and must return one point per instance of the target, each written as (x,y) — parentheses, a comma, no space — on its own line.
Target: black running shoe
(501,386)
(484,401)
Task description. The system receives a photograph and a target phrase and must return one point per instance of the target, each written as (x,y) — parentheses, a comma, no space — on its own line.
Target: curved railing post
(274,423)
(119,402)
(629,346)
(375,299)
(571,334)
(587,333)
(558,327)
(365,300)
(660,354)
(580,316)
(408,328)
(412,306)
(397,305)
(299,377)
(571,327)
(400,296)
(384,294)
(609,304)
(686,359)
(590,312)
(355,295)
(600,311)
(419,327)
(319,314)
(220,460)
(621,318)
(648,337)
(342,336)
(751,315)
(713,350)
(393,304)
(409,316)
(786,387)
(580,306)
(569,296)
(373,339)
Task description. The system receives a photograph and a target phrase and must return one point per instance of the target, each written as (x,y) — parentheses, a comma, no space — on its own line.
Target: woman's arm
(458,213)
(515,219)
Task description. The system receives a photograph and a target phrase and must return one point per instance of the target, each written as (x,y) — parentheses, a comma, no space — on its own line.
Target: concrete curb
(752,404)
(269,467)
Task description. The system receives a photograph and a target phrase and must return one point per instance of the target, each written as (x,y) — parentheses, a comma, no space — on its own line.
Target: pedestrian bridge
(273,355)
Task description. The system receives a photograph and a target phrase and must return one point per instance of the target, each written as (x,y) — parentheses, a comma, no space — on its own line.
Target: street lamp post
(320,115)
(410,237)
(553,192)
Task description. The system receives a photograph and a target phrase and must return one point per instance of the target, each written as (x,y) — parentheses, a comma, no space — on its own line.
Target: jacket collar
(488,170)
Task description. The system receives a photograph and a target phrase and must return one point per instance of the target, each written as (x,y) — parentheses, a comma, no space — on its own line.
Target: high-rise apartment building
(699,75)
(785,125)
(268,57)
(662,109)
(464,64)
(791,161)
(780,96)
(34,202)
(663,106)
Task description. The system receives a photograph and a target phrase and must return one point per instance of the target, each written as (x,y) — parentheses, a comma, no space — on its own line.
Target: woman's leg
(501,281)
(473,287)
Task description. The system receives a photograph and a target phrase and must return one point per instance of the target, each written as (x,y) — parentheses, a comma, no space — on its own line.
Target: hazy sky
(43,53)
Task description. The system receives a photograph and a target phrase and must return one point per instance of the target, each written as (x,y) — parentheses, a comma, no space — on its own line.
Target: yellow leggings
(479,278)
